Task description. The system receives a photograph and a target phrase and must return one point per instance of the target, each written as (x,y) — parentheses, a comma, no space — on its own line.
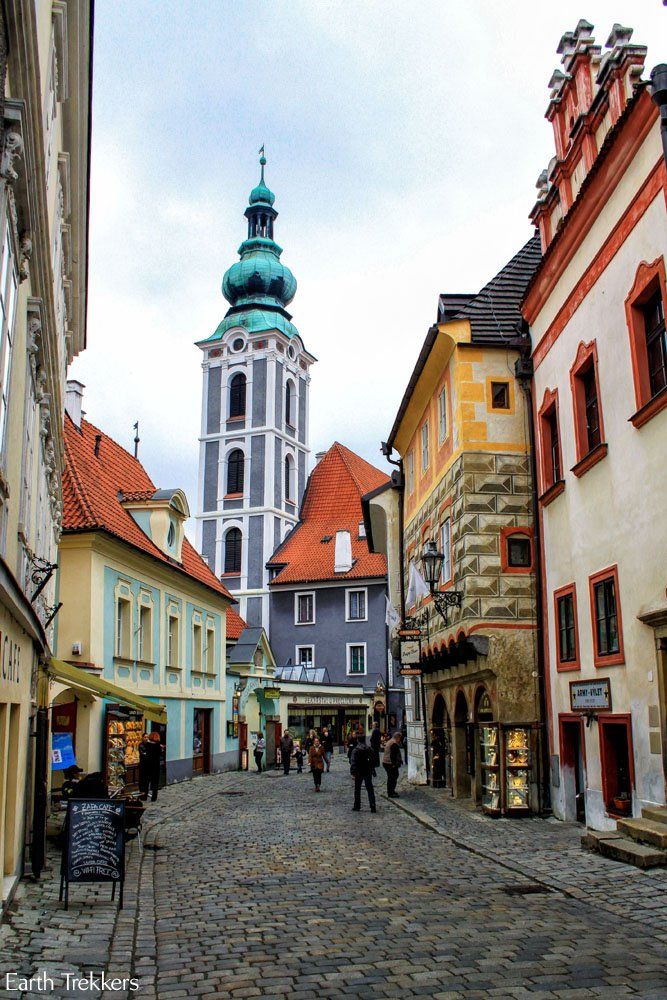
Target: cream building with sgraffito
(462,434)
(596,309)
(45,70)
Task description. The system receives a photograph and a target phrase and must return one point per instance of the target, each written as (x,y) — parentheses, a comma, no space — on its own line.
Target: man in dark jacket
(376,742)
(392,761)
(328,747)
(362,770)
(286,747)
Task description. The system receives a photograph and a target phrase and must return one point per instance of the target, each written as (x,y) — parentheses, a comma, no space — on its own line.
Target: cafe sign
(410,653)
(590,696)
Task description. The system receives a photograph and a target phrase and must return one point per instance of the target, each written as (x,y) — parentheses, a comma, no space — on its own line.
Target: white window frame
(446,549)
(197,664)
(145,642)
(442,415)
(411,472)
(122,642)
(173,616)
(209,660)
(349,647)
(426,458)
(348,595)
(9,279)
(304,593)
(312,656)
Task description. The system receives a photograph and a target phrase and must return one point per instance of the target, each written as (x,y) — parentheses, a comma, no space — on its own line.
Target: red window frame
(606,659)
(614,720)
(548,414)
(566,665)
(586,363)
(649,279)
(505,535)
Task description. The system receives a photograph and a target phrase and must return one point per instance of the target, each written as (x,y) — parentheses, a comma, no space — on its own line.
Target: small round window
(171,534)
(291,352)
(238,344)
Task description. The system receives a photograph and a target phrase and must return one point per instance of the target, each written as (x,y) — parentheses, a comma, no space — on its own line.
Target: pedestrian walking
(260,747)
(376,743)
(351,744)
(316,761)
(363,771)
(328,747)
(392,762)
(150,758)
(286,747)
(298,753)
(310,738)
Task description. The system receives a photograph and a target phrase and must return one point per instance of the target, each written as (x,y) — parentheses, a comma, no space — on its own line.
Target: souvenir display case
(124,730)
(517,768)
(489,746)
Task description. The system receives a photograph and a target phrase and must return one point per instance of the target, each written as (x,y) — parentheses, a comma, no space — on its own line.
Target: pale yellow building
(44,157)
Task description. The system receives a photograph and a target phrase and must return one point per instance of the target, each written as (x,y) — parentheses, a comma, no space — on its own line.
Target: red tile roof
(91,486)
(331,503)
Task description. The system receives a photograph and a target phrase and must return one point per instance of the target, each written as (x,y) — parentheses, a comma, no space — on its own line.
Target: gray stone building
(254,451)
(328,594)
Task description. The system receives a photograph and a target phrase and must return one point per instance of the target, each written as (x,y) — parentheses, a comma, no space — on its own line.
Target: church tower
(253,460)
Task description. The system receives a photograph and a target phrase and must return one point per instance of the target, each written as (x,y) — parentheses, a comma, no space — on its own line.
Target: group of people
(364,759)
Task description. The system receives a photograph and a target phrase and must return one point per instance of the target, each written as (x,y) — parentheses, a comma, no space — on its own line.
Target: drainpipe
(659,95)
(524,373)
(38,840)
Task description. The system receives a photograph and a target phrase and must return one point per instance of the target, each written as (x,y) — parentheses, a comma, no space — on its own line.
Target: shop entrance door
(461,777)
(273,732)
(617,763)
(201,741)
(243,746)
(573,769)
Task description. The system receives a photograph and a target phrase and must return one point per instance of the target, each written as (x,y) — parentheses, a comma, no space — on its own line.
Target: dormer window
(171,535)
(161,516)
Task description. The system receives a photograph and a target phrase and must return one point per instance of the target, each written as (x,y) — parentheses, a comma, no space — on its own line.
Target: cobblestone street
(254,886)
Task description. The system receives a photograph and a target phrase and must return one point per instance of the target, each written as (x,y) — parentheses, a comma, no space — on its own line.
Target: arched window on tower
(235,471)
(290,485)
(289,403)
(233,543)
(237,388)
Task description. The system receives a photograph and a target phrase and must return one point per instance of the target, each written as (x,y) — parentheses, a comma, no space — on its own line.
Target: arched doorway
(461,777)
(486,781)
(441,750)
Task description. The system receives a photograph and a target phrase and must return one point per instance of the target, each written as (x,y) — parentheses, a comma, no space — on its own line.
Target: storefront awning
(81,680)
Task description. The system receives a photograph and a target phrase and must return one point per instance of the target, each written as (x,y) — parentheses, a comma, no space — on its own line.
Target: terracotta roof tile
(91,487)
(331,503)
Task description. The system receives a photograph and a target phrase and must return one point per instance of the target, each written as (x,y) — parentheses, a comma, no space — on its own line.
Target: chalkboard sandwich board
(94,845)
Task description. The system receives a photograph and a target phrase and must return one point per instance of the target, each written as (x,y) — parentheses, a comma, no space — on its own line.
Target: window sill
(124,661)
(650,409)
(611,660)
(145,663)
(304,623)
(594,456)
(173,666)
(233,496)
(551,493)
(567,666)
(224,576)
(236,420)
(352,621)
(290,427)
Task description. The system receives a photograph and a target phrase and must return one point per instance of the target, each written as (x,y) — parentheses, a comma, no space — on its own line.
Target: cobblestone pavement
(255,886)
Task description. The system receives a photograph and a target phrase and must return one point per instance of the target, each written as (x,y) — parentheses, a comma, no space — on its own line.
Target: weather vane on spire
(262,161)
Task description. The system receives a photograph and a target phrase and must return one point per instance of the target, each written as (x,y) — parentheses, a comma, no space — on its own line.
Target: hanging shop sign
(62,751)
(94,846)
(330,700)
(271,692)
(409,633)
(411,671)
(587,696)
(410,653)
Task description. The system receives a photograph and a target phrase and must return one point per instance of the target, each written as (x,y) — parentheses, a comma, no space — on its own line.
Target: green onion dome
(259,276)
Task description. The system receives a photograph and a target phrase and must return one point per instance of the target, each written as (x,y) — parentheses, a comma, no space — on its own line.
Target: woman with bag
(316,761)
(260,747)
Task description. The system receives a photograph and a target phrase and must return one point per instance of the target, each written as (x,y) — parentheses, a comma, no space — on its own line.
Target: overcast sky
(403,141)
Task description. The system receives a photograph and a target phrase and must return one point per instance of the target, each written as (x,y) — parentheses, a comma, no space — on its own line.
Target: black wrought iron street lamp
(432,561)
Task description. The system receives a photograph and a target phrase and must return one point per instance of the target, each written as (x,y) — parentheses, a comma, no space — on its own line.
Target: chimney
(319,456)
(343,555)
(74,400)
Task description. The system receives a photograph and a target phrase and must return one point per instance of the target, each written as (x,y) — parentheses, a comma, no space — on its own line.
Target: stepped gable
(331,503)
(94,488)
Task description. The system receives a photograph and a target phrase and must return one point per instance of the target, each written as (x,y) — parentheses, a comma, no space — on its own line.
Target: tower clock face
(238,344)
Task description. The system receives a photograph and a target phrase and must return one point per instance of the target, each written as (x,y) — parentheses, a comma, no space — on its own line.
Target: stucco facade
(607,498)
(45,66)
